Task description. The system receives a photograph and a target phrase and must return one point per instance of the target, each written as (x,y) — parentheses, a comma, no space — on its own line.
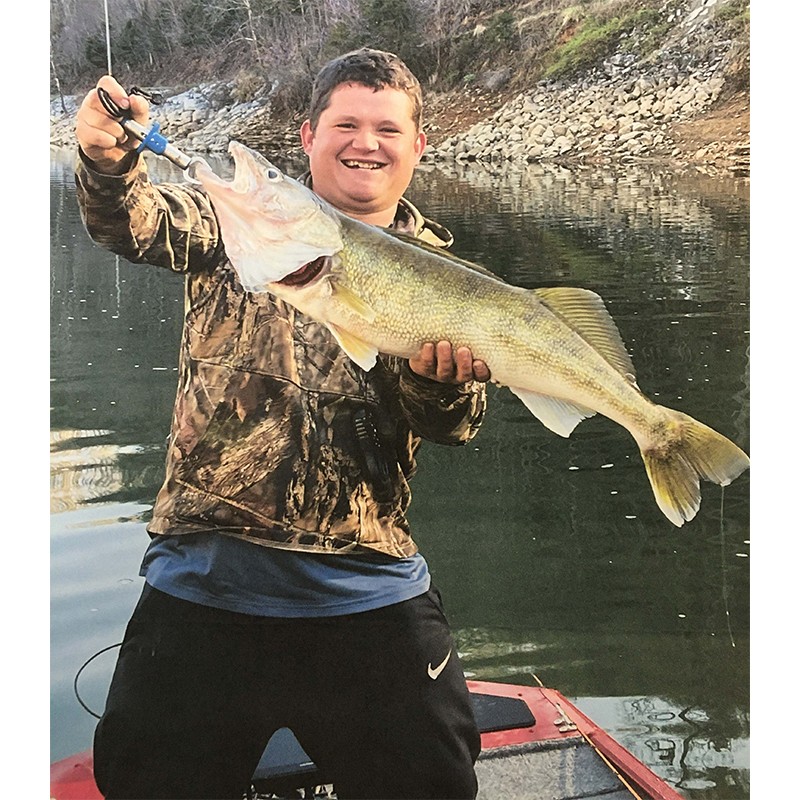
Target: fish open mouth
(307,273)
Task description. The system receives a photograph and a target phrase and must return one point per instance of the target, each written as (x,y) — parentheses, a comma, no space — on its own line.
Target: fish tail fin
(686,452)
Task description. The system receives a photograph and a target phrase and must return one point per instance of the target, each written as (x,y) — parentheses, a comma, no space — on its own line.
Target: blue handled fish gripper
(153,140)
(148,140)
(156,142)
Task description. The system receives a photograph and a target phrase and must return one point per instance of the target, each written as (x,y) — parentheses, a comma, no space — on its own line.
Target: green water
(551,554)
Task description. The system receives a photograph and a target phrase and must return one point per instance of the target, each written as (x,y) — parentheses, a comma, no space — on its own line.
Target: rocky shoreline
(623,112)
(623,120)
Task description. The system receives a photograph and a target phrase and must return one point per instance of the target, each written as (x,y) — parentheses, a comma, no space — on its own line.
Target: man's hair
(374,68)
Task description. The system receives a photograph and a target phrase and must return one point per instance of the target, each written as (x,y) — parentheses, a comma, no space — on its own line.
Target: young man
(283,587)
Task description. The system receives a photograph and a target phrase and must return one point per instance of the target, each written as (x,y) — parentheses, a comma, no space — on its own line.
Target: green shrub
(501,32)
(590,45)
(94,51)
(342,37)
(461,58)
(736,14)
(207,25)
(596,40)
(391,25)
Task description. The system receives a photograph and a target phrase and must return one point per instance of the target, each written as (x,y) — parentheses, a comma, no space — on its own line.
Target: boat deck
(535,745)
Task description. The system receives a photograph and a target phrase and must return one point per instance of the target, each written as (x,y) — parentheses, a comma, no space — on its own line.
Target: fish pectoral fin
(363,353)
(560,416)
(352,301)
(585,312)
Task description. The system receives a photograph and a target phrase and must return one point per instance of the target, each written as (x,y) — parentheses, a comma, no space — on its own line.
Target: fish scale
(509,340)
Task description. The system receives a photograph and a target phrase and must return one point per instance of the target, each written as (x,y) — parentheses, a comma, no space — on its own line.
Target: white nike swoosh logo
(435,672)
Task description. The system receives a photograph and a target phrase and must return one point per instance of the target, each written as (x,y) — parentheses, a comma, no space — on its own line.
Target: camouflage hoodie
(277,437)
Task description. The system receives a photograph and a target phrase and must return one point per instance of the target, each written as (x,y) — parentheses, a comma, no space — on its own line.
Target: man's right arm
(167,225)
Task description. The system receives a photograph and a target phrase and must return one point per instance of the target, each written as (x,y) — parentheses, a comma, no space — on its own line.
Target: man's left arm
(443,394)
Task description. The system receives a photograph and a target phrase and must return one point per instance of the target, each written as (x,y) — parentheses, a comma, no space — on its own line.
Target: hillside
(587,63)
(717,136)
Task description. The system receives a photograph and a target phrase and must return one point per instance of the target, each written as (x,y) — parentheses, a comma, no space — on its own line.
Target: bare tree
(445,18)
(58,85)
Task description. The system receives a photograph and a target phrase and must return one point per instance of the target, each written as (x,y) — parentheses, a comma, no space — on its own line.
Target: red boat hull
(554,713)
(557,722)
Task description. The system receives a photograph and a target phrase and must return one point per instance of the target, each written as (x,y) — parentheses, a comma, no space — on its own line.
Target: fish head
(271,225)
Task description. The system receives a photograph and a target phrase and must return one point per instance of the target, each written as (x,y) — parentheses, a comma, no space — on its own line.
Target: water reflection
(551,555)
(581,225)
(82,472)
(682,745)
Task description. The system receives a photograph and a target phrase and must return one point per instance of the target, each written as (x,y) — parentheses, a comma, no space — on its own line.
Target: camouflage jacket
(277,437)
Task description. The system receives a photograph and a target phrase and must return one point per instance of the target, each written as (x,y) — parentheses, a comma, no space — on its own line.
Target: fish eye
(273,174)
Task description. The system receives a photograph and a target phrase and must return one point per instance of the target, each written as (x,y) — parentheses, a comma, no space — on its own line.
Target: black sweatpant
(197,693)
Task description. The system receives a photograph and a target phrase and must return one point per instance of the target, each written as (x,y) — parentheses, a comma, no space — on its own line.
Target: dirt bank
(721,133)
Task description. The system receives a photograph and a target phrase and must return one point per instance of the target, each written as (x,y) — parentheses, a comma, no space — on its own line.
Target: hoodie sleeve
(163,224)
(440,412)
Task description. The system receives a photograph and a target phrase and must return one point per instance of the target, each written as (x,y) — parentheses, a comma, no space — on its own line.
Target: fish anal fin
(559,416)
(585,312)
(363,353)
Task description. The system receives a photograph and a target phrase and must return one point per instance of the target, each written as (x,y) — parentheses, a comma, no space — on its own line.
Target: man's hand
(102,138)
(439,363)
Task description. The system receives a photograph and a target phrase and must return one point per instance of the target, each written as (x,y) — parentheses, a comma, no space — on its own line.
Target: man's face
(364,150)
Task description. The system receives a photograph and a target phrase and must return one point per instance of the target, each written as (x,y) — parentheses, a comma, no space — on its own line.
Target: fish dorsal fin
(559,416)
(363,353)
(585,312)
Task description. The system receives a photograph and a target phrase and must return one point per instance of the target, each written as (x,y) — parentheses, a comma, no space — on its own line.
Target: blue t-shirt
(236,575)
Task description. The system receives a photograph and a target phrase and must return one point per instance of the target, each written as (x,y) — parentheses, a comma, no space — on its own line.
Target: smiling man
(362,150)
(282,584)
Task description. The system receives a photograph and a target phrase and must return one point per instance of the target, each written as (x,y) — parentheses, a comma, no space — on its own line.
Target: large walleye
(557,349)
